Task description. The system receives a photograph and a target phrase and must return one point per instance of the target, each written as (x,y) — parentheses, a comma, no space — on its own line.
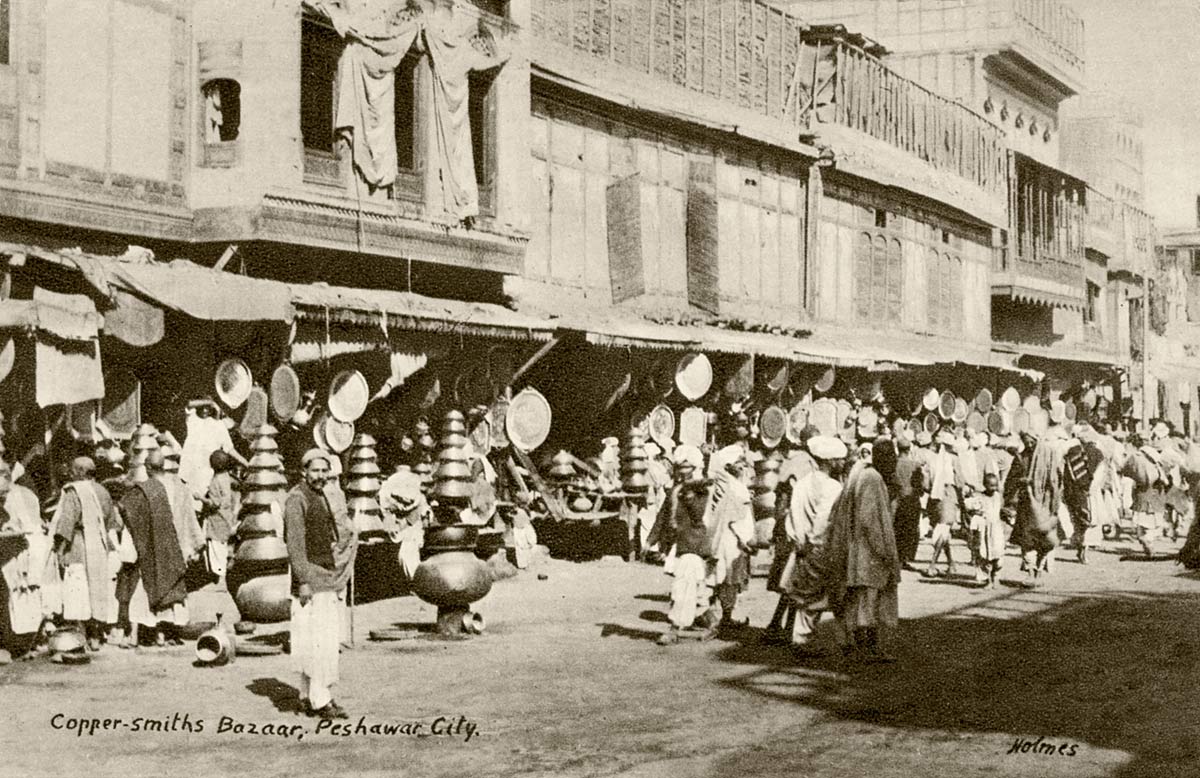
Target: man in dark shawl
(864,563)
(910,483)
(161,592)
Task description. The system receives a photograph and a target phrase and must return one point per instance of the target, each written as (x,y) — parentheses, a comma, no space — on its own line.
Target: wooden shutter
(702,236)
(625,260)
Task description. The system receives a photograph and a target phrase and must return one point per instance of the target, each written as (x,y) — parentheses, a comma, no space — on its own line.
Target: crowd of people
(846,522)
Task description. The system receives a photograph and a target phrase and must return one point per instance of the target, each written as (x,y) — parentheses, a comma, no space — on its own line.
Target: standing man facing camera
(321,545)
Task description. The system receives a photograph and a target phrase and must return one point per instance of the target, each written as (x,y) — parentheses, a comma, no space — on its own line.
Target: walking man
(321,545)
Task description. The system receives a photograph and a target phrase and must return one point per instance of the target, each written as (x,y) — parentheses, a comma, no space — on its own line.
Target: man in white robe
(21,538)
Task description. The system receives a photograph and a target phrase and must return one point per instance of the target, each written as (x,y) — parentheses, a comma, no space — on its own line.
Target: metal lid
(338,434)
(661,422)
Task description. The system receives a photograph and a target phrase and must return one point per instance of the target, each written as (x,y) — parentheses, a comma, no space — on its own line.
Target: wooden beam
(229,254)
(537,357)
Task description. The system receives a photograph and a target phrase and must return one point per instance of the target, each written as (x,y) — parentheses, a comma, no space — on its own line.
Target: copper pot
(363,504)
(454,489)
(452,579)
(265,599)
(266,478)
(451,536)
(261,549)
(364,467)
(265,460)
(455,470)
(452,455)
(363,485)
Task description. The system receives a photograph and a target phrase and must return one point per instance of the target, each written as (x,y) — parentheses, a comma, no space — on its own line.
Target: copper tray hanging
(773,426)
(528,419)
(932,423)
(233,382)
(915,428)
(997,424)
(693,426)
(824,416)
(285,393)
(983,401)
(946,405)
(961,410)
(1011,399)
(255,414)
(868,422)
(797,421)
(348,396)
(1020,420)
(1072,410)
(693,376)
(976,422)
(1032,403)
(1039,421)
(826,381)
(931,400)
(338,434)
(661,422)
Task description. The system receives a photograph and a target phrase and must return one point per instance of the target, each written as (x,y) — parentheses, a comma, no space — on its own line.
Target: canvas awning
(1026,294)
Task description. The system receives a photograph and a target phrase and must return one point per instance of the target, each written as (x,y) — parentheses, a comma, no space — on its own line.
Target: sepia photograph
(580,388)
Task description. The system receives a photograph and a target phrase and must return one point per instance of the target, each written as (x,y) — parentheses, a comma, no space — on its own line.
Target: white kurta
(316,638)
(23,561)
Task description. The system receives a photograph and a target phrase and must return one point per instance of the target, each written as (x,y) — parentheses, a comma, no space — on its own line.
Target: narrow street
(1101,665)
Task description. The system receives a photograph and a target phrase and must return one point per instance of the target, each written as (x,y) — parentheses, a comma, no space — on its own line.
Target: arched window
(945,286)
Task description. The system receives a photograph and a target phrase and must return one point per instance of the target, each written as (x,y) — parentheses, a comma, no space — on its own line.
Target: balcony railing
(751,55)
(1053,27)
(869,97)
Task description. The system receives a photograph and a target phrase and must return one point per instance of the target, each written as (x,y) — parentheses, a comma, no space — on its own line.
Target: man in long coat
(159,598)
(864,563)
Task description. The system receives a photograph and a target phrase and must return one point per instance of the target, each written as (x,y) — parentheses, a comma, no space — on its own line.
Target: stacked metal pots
(766,479)
(258,577)
(452,577)
(363,486)
(635,463)
(145,442)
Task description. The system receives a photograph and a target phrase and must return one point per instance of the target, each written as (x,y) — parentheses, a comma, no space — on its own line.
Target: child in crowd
(987,526)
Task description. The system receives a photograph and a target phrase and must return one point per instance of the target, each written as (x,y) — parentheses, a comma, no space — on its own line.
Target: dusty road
(1103,666)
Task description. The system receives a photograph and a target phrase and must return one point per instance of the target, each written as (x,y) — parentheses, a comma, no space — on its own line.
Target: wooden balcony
(751,57)
(854,89)
(1051,34)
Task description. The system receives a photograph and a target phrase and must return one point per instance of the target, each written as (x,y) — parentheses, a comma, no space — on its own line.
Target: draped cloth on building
(68,349)
(378,34)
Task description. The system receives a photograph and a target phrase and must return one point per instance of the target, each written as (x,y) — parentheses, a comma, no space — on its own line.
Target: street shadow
(653,615)
(608,630)
(653,597)
(284,697)
(1114,671)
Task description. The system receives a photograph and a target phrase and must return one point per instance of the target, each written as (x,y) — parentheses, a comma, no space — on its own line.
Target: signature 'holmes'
(1043,748)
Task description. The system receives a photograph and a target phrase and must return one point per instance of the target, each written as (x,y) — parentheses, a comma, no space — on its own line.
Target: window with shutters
(879,277)
(320,47)
(945,287)
(409,157)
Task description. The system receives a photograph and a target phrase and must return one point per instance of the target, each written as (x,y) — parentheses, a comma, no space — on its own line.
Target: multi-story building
(1103,144)
(1016,62)
(877,187)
